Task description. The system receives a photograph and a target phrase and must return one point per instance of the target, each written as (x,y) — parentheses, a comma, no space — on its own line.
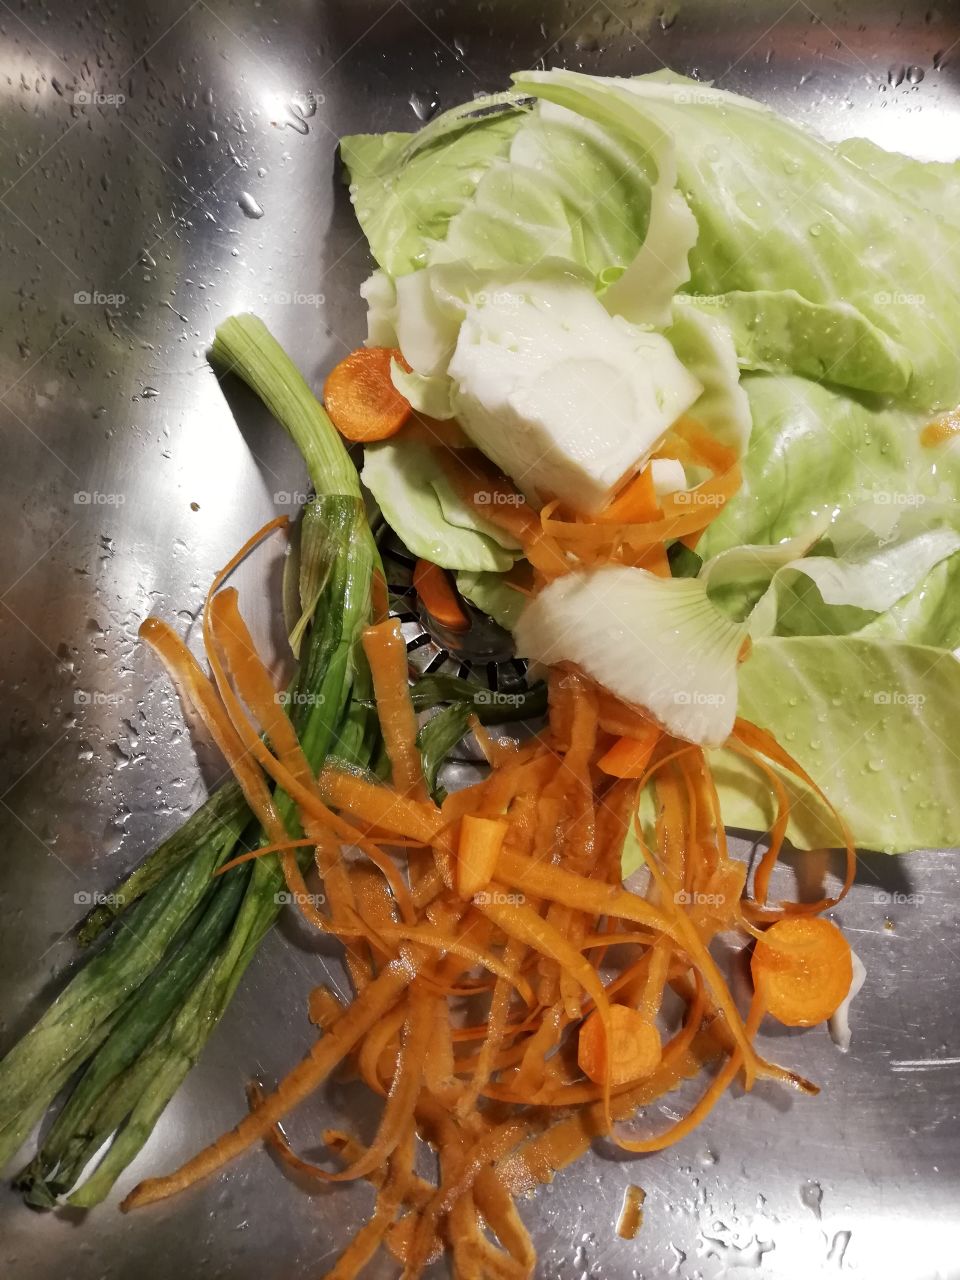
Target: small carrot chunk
(360,397)
(942,429)
(636,503)
(634,1053)
(438,597)
(481,840)
(802,970)
(629,757)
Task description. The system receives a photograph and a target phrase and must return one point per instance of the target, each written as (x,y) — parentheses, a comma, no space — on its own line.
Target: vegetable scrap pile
(508,990)
(629,394)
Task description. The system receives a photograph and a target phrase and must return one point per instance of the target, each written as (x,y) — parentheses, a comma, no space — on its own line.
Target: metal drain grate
(484,653)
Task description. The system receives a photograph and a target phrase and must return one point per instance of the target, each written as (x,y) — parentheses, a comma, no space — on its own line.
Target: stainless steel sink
(162,166)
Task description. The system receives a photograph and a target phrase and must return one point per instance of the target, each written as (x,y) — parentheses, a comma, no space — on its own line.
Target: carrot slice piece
(634,1051)
(360,397)
(802,970)
(481,840)
(635,503)
(432,585)
(629,757)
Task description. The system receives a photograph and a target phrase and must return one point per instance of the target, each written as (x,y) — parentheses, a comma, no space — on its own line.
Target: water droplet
(895,75)
(249,206)
(838,1247)
(816,230)
(811,1197)
(149,393)
(875,765)
(914,75)
(424,104)
(304,104)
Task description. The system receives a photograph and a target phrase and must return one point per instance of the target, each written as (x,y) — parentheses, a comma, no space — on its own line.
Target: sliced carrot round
(634,1053)
(360,397)
(802,970)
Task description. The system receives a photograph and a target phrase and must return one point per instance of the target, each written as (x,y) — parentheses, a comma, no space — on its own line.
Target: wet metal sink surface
(162,165)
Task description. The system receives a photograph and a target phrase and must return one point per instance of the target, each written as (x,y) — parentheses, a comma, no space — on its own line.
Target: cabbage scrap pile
(800,300)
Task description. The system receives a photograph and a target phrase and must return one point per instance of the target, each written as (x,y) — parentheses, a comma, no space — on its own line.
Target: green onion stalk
(130,1024)
(135,1018)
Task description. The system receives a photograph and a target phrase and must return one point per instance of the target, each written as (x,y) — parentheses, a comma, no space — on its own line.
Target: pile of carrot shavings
(508,991)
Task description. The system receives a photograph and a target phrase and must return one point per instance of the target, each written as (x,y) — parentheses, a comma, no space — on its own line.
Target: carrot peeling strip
(358,1018)
(386,652)
(512,888)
